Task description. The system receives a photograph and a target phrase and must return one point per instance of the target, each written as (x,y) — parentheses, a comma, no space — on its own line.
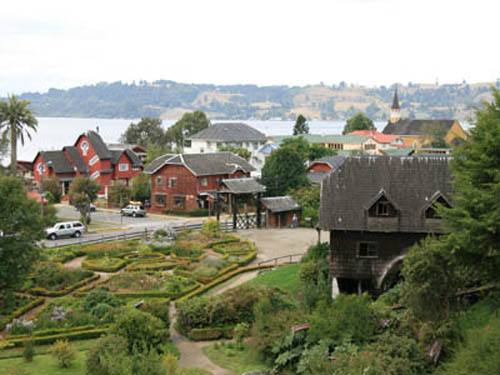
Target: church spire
(395,113)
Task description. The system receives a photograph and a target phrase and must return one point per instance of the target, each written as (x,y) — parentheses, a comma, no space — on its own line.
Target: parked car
(65,229)
(133,210)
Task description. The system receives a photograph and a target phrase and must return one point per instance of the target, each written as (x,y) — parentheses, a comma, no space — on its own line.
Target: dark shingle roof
(410,182)
(333,161)
(395,99)
(134,158)
(415,127)
(57,161)
(77,159)
(99,146)
(203,164)
(243,185)
(115,156)
(230,132)
(316,177)
(280,204)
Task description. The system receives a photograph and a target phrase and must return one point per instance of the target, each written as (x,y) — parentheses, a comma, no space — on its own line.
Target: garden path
(191,354)
(75,262)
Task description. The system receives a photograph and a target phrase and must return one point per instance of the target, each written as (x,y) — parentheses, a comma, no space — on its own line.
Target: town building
(376,209)
(319,168)
(89,156)
(418,133)
(384,141)
(217,135)
(279,211)
(188,181)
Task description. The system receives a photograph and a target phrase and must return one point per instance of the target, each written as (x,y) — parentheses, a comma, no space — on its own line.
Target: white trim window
(94,160)
(204,182)
(172,182)
(123,167)
(84,146)
(95,175)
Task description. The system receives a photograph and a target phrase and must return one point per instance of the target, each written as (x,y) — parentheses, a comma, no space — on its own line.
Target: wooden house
(376,209)
(280,211)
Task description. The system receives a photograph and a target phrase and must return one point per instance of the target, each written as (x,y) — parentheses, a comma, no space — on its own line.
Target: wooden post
(235,211)
(360,290)
(259,218)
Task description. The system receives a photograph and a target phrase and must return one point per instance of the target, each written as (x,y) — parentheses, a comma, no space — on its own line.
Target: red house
(185,182)
(321,167)
(89,156)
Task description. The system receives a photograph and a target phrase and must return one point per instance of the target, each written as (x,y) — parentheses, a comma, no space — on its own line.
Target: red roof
(379,137)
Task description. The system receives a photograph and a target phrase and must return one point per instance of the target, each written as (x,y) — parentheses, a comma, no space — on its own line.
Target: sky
(63,44)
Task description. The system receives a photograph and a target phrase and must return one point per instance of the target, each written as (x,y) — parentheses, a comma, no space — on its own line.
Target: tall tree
(283,170)
(299,144)
(16,120)
(358,122)
(317,151)
(474,220)
(82,192)
(119,193)
(21,225)
(148,130)
(141,187)
(301,126)
(189,124)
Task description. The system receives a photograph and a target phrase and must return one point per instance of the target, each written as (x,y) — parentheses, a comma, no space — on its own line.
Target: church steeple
(395,113)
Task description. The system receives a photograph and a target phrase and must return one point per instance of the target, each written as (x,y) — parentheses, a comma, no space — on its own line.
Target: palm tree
(16,119)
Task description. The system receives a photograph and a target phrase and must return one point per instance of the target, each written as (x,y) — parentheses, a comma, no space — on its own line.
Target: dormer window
(431,211)
(382,208)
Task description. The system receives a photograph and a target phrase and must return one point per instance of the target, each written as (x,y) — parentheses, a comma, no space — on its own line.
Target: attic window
(431,212)
(382,208)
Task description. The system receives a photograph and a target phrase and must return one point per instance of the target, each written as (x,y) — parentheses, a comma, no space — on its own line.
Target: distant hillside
(170,100)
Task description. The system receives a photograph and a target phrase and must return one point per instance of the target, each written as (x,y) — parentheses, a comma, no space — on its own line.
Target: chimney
(97,129)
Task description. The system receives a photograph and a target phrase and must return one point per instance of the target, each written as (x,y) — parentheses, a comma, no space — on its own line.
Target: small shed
(280,211)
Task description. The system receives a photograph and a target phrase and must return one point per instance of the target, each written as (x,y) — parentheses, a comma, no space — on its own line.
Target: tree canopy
(283,170)
(16,121)
(305,150)
(141,187)
(189,124)
(240,151)
(148,130)
(21,225)
(82,192)
(301,126)
(358,122)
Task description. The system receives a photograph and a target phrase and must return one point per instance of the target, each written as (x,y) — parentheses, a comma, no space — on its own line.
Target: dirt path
(75,262)
(190,351)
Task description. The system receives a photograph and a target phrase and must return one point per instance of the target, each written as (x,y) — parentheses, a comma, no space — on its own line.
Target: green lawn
(232,359)
(285,278)
(42,365)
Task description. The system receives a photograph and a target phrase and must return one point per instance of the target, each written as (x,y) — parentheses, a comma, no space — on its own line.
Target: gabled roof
(124,146)
(403,151)
(327,138)
(77,159)
(395,99)
(230,132)
(97,143)
(316,177)
(280,204)
(134,158)
(333,161)
(410,182)
(245,185)
(378,136)
(203,164)
(268,148)
(415,127)
(57,161)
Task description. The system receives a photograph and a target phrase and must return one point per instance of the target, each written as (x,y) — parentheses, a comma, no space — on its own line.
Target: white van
(68,228)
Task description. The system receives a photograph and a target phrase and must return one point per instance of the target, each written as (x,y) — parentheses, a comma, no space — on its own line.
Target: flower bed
(18,307)
(104,264)
(151,266)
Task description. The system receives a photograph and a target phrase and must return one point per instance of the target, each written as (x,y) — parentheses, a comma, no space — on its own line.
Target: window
(187,143)
(382,208)
(136,168)
(123,167)
(179,201)
(431,212)
(204,181)
(94,160)
(172,182)
(160,199)
(77,225)
(370,146)
(367,250)
(159,181)
(336,146)
(84,146)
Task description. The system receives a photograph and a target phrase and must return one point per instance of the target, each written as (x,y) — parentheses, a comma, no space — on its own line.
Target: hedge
(223,271)
(71,336)
(38,291)
(223,242)
(220,280)
(154,294)
(95,267)
(53,331)
(213,333)
(151,266)
(137,259)
(248,259)
(21,311)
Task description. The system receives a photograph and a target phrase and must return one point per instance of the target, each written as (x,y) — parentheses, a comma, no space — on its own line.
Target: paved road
(130,224)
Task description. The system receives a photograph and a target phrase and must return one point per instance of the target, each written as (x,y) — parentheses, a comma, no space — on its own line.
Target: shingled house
(280,211)
(319,168)
(416,133)
(376,208)
(187,181)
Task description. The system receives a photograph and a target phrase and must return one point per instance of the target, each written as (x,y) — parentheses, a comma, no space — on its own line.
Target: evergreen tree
(301,126)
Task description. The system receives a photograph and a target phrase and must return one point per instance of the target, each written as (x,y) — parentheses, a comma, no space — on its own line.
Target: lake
(54,133)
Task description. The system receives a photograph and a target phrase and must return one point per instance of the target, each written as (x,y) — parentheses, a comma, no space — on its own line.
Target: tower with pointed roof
(395,110)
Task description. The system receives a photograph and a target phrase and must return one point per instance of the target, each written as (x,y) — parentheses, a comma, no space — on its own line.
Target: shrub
(63,353)
(317,252)
(98,296)
(241,331)
(170,364)
(211,228)
(160,234)
(142,330)
(159,308)
(108,356)
(101,310)
(29,350)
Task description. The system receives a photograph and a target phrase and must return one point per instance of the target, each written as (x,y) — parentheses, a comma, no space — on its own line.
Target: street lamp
(41,170)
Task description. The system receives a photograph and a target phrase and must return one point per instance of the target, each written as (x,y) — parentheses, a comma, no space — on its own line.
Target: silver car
(65,229)
(133,210)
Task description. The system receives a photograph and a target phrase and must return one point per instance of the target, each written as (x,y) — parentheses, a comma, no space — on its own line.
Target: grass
(236,360)
(80,345)
(43,365)
(285,278)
